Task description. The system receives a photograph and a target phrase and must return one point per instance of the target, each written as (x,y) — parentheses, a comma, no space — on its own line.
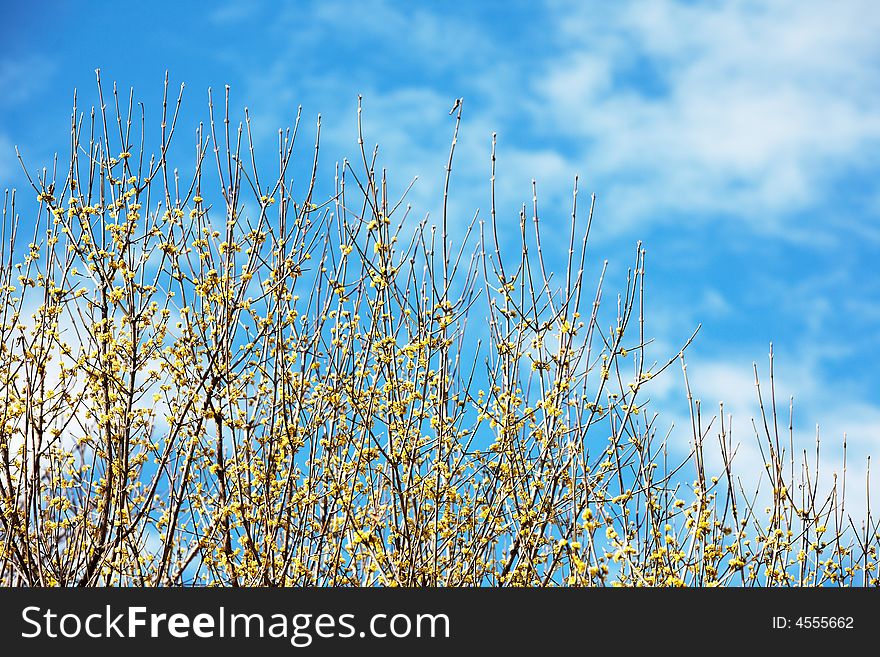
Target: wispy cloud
(20,79)
(425,38)
(700,108)
(233,11)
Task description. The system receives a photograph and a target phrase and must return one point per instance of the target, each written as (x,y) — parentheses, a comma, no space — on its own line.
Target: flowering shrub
(223,379)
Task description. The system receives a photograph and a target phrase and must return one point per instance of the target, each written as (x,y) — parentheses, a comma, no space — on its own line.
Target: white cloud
(751,106)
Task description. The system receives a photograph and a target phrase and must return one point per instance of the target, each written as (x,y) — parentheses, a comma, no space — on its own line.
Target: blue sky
(737,140)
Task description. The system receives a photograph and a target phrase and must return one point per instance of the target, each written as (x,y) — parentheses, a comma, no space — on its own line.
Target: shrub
(228,379)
